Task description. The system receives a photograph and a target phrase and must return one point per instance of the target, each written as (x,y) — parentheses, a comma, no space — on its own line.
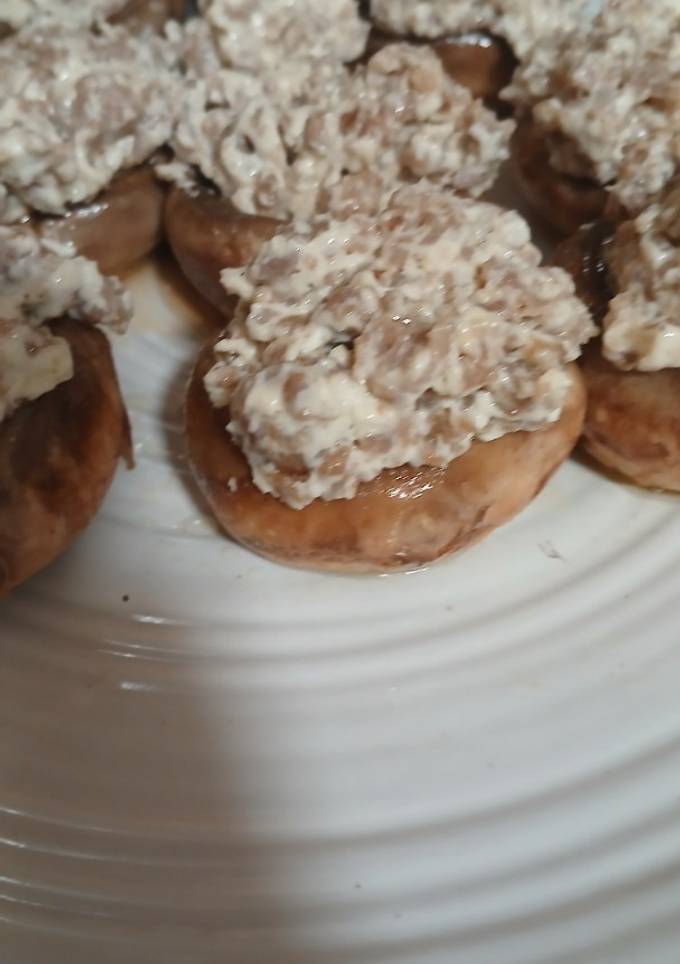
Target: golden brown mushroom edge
(403,519)
(632,424)
(58,456)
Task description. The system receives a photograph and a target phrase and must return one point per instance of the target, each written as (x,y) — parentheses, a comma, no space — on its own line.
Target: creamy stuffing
(41,281)
(263,35)
(642,324)
(282,149)
(521,22)
(78,107)
(15,14)
(608,98)
(369,343)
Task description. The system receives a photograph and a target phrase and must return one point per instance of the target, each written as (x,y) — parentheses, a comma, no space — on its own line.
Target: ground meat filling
(369,343)
(39,281)
(263,35)
(521,22)
(78,106)
(642,325)
(608,98)
(283,149)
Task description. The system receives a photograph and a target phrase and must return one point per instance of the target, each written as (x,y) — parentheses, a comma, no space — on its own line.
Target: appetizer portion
(392,387)
(83,113)
(63,424)
(599,112)
(478,41)
(631,278)
(252,152)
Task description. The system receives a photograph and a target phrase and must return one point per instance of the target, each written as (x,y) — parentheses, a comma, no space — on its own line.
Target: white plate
(205,758)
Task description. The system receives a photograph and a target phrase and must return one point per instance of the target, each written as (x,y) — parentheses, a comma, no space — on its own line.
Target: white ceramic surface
(207,759)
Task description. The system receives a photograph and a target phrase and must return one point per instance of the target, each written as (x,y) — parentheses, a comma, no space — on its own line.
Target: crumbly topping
(521,22)
(39,281)
(282,149)
(198,52)
(608,98)
(263,35)
(369,343)
(77,107)
(642,325)
(15,14)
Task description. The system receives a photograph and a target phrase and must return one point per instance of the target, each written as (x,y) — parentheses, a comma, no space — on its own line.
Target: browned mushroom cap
(482,63)
(563,202)
(404,518)
(632,421)
(118,228)
(58,455)
(206,234)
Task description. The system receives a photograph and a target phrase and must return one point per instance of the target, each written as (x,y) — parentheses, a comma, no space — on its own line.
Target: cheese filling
(41,281)
(370,342)
(642,325)
(282,149)
(15,14)
(77,107)
(607,98)
(521,22)
(263,35)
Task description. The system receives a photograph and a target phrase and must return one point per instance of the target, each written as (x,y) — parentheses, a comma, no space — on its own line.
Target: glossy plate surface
(208,758)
